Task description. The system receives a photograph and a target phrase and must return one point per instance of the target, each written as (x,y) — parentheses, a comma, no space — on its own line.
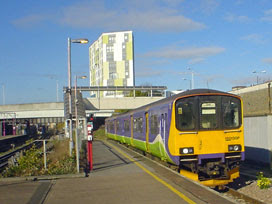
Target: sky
(221,41)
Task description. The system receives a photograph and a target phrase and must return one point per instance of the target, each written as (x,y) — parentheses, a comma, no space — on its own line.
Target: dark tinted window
(126,125)
(138,125)
(185,114)
(154,125)
(208,115)
(231,112)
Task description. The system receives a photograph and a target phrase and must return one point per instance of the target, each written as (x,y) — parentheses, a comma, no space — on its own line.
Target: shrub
(262,181)
(28,165)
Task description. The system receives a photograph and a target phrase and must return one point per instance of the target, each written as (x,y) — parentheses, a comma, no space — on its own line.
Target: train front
(207,135)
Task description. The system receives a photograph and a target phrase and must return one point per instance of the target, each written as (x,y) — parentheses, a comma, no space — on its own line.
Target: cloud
(267,16)
(148,15)
(186,53)
(267,60)
(149,72)
(209,6)
(31,20)
(232,18)
(254,38)
(196,60)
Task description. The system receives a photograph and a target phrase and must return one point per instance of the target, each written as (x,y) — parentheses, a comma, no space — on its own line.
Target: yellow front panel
(204,142)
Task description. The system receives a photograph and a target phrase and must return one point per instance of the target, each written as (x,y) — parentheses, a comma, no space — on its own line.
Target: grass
(100,133)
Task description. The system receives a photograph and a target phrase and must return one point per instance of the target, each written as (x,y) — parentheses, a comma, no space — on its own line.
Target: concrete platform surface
(119,176)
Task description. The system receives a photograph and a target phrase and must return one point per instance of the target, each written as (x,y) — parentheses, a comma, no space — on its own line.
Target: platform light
(70,41)
(82,41)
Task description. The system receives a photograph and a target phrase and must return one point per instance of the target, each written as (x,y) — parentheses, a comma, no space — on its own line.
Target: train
(200,131)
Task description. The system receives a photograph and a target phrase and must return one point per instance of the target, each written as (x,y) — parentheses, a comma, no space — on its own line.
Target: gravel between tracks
(252,190)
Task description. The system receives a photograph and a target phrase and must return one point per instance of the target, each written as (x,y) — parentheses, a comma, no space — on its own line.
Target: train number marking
(232,138)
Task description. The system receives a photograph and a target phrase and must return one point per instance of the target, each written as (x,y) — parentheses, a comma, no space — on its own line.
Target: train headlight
(186,150)
(234,148)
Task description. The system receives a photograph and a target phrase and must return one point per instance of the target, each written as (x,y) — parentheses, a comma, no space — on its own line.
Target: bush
(32,163)
(262,181)
(28,165)
(65,166)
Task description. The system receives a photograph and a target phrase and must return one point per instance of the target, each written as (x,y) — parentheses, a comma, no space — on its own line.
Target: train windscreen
(208,113)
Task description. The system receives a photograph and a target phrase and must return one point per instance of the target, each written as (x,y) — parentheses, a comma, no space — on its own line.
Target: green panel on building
(105,39)
(129,51)
(118,82)
(120,69)
(105,70)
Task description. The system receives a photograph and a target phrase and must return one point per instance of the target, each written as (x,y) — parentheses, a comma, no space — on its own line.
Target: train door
(131,130)
(146,132)
(163,133)
(115,129)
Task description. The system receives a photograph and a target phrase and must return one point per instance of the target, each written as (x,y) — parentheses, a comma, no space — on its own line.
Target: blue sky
(223,42)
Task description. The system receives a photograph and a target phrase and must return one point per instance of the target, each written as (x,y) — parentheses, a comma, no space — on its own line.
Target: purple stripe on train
(216,156)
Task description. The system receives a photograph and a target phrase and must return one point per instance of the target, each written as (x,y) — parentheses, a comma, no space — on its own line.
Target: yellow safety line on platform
(188,200)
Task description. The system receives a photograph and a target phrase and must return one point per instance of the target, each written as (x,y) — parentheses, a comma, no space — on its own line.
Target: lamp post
(76,138)
(3,93)
(192,81)
(255,72)
(83,41)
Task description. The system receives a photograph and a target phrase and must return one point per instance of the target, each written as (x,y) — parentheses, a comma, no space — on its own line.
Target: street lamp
(76,138)
(192,81)
(255,72)
(84,41)
(190,84)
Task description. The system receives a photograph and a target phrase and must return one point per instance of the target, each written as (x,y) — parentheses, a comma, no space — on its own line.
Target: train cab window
(231,112)
(185,115)
(208,119)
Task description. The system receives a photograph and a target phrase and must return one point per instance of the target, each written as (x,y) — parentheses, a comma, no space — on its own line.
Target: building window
(111,39)
(109,48)
(113,75)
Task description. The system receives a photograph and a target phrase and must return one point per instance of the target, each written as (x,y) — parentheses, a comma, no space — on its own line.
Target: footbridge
(54,112)
(105,100)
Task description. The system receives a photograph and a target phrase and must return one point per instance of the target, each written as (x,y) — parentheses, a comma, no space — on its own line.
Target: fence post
(44,154)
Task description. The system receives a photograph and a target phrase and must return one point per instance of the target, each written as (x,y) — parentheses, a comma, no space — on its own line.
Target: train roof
(172,98)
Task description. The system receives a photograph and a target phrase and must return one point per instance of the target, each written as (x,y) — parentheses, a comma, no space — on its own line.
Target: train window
(138,125)
(231,112)
(111,127)
(117,125)
(208,118)
(185,117)
(126,125)
(154,125)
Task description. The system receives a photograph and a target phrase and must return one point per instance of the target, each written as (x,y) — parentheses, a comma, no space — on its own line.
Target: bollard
(90,152)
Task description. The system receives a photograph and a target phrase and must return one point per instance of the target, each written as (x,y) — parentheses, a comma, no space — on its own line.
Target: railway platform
(119,176)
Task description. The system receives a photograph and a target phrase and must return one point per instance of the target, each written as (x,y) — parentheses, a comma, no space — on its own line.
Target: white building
(111,60)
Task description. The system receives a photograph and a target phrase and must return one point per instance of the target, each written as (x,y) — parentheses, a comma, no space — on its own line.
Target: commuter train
(200,131)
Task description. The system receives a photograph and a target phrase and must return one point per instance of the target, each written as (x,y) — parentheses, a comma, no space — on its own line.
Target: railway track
(12,154)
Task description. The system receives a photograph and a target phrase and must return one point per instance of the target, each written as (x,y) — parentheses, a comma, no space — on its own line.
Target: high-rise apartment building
(111,60)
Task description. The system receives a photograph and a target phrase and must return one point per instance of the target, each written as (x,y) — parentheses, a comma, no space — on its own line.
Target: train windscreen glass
(185,114)
(208,113)
(231,112)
